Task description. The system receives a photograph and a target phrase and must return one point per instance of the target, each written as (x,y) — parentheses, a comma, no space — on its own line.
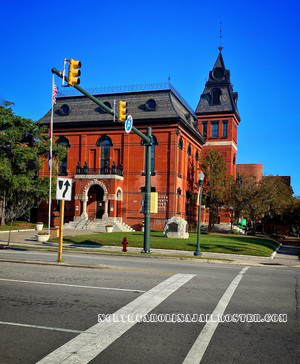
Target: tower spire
(220,47)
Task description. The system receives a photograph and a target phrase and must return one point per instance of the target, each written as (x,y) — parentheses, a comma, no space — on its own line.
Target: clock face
(218,73)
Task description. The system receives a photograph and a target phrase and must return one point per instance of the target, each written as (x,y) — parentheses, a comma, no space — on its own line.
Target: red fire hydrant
(124,243)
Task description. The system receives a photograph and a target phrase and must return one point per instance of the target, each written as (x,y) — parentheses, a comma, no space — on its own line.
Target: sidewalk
(27,239)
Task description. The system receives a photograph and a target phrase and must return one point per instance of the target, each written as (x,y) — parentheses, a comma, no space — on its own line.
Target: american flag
(54,92)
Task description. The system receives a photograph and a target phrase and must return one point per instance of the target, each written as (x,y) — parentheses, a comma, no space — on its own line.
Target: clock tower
(218,116)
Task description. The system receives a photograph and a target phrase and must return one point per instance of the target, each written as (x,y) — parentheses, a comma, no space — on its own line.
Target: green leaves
(22,144)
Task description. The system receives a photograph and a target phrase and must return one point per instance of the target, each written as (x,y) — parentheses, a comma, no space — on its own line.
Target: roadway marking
(85,347)
(198,349)
(72,285)
(42,327)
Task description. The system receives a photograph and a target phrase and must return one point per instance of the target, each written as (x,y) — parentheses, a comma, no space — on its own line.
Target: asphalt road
(60,305)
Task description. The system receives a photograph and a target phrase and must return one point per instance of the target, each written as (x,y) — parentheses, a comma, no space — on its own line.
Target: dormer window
(64,110)
(215,96)
(102,111)
(150,105)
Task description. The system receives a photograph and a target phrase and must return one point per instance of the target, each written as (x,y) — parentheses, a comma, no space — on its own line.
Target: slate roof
(169,106)
(219,78)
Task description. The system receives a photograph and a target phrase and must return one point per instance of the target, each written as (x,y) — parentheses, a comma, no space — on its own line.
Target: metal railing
(97,171)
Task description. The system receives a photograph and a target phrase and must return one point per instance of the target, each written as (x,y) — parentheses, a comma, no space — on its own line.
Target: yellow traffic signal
(122,110)
(74,72)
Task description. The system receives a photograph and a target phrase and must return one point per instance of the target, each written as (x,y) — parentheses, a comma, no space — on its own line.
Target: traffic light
(74,72)
(122,110)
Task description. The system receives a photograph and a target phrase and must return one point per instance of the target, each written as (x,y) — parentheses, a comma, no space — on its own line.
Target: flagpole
(50,158)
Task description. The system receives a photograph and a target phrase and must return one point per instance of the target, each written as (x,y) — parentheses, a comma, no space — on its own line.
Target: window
(102,111)
(64,110)
(180,167)
(63,163)
(153,154)
(105,143)
(216,94)
(197,155)
(225,129)
(189,150)
(150,105)
(215,130)
(180,143)
(204,129)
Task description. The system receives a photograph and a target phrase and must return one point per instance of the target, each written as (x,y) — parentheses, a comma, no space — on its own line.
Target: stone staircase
(98,225)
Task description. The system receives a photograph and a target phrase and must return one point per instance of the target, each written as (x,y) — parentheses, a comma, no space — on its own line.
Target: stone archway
(103,198)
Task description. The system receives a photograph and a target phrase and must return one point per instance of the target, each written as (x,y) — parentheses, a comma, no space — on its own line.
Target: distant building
(248,170)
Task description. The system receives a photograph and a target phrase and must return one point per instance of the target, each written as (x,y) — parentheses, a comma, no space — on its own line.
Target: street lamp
(201,176)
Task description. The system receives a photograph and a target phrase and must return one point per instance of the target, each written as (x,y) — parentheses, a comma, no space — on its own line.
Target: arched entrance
(95,202)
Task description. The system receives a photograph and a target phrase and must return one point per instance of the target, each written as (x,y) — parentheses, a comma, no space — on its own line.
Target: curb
(16,231)
(275,251)
(66,265)
(66,250)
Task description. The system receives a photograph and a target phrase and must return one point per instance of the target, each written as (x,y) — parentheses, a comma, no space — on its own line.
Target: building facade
(107,165)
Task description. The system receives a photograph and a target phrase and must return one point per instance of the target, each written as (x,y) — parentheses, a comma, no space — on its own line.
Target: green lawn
(18,225)
(215,243)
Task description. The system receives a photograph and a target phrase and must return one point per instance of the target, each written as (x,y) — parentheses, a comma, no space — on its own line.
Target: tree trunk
(2,210)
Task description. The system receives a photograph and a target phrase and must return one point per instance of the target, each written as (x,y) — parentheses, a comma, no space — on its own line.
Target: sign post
(63,193)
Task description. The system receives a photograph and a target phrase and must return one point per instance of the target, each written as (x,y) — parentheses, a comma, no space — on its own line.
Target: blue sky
(140,42)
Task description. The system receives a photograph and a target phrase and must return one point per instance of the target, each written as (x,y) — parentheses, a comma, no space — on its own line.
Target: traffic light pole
(148,145)
(147,194)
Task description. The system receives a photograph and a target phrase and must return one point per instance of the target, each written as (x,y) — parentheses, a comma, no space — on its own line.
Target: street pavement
(49,311)
(288,254)
(48,314)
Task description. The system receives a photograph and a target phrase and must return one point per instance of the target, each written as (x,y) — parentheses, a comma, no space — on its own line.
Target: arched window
(63,163)
(105,143)
(189,150)
(153,154)
(180,163)
(180,143)
(216,94)
(197,155)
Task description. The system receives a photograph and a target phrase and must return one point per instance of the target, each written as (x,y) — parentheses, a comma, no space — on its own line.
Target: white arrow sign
(64,189)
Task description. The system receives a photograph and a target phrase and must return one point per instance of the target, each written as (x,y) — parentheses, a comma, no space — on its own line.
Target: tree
(234,198)
(265,199)
(214,168)
(23,145)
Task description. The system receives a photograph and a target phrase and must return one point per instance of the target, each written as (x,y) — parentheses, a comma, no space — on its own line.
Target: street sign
(128,124)
(64,189)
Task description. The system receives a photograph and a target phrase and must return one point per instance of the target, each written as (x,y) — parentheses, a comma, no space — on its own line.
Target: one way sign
(64,189)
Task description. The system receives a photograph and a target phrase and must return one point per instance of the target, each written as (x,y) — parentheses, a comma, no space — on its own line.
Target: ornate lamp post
(201,176)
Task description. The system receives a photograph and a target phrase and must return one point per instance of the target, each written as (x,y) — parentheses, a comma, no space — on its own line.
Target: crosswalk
(87,345)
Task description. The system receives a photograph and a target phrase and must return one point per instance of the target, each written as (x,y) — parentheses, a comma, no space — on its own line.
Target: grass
(214,243)
(18,225)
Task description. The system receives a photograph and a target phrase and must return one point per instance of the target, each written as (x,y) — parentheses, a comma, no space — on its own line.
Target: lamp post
(198,253)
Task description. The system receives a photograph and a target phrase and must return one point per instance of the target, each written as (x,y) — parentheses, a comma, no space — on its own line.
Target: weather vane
(220,48)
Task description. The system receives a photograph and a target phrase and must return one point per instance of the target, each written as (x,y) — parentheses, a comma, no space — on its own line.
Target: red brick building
(107,165)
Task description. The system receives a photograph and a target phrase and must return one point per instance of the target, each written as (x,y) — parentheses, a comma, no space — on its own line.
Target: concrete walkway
(286,256)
